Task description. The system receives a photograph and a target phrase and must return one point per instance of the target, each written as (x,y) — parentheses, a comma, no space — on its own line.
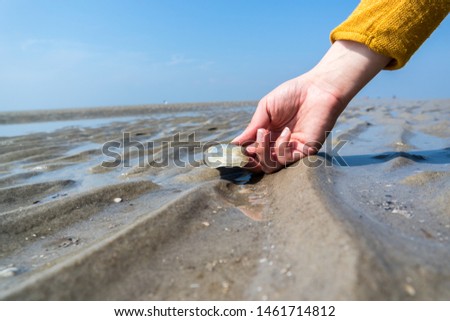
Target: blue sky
(59,54)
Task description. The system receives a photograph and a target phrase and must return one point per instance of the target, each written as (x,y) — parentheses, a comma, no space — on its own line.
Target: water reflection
(435,156)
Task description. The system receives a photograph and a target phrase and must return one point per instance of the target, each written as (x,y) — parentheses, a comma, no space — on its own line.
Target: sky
(64,54)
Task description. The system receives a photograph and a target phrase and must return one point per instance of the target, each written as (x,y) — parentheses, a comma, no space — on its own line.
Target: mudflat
(116,204)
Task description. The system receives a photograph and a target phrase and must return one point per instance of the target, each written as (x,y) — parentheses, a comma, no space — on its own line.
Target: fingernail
(285,132)
(260,134)
(250,149)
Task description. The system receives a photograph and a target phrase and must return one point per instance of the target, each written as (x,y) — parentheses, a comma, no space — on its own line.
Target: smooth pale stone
(225,155)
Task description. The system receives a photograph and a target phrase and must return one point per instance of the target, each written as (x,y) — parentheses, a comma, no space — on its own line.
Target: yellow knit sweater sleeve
(394,28)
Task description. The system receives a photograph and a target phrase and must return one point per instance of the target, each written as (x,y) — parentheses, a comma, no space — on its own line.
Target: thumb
(259,120)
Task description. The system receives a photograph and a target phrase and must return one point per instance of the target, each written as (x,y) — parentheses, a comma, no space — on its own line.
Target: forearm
(346,68)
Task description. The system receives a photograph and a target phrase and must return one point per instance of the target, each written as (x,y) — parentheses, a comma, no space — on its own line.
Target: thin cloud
(179,59)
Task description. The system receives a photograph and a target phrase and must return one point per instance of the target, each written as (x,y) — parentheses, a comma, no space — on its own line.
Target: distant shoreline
(77,113)
(31,116)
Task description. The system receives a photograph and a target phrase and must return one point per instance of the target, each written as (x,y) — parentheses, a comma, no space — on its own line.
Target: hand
(292,121)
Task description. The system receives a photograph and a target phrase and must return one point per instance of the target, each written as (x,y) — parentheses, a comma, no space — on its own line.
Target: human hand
(293,120)
(290,123)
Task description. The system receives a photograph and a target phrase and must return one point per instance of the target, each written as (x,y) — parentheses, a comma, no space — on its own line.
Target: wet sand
(371,223)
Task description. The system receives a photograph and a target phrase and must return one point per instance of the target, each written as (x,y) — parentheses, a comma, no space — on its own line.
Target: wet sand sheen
(374,225)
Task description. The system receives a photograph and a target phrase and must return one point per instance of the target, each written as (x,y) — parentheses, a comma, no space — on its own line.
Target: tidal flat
(115,203)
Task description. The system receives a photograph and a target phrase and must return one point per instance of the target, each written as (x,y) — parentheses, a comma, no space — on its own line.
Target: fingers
(263,151)
(301,150)
(260,153)
(259,120)
(283,150)
(268,156)
(254,166)
(251,149)
(289,149)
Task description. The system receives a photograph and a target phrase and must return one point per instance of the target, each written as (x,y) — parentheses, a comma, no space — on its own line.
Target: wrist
(346,68)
